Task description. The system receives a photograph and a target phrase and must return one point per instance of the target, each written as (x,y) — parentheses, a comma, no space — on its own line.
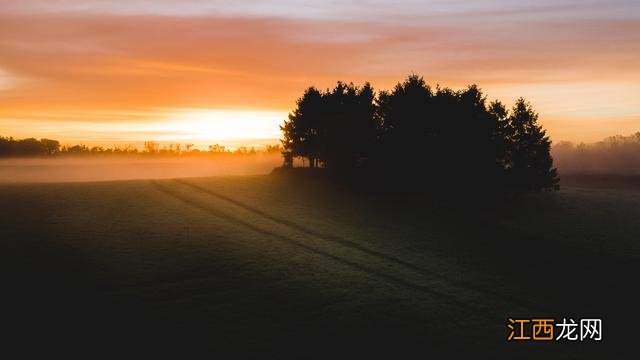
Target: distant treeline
(615,154)
(10,147)
(417,135)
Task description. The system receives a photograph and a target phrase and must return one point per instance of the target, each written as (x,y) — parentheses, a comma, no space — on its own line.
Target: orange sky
(107,72)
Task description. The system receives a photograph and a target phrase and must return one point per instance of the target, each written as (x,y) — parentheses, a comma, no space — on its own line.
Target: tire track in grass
(372,252)
(391,279)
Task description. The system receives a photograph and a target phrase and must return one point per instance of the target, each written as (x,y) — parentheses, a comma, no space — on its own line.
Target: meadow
(268,266)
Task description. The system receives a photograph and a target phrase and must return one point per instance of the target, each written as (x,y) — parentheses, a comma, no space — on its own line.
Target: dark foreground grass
(273,266)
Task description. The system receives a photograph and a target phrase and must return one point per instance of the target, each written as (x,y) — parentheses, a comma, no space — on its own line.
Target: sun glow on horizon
(232,128)
(200,125)
(203,127)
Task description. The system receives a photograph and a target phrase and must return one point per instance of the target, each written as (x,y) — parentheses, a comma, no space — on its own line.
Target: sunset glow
(231,127)
(199,127)
(103,72)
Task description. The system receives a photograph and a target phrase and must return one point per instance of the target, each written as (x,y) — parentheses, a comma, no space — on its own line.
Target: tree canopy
(416,134)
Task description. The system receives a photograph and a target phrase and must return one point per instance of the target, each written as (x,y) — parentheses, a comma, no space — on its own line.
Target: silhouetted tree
(301,130)
(405,132)
(347,130)
(50,146)
(27,147)
(335,129)
(529,162)
(151,147)
(272,149)
(6,145)
(218,149)
(413,134)
(478,150)
(77,149)
(438,137)
(614,154)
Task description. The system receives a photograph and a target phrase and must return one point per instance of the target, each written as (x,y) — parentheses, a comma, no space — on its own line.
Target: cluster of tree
(152,147)
(28,147)
(10,147)
(418,134)
(615,154)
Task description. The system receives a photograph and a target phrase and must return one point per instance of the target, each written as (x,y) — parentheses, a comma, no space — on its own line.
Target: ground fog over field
(105,168)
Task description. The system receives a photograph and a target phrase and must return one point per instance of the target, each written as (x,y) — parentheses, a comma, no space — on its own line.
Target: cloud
(366,10)
(142,56)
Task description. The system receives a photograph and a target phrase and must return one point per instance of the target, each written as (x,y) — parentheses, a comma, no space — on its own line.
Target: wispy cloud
(367,10)
(137,56)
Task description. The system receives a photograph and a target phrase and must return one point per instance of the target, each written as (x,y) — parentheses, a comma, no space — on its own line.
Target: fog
(105,168)
(614,155)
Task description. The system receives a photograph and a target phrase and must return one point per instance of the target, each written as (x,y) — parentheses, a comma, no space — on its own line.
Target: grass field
(274,266)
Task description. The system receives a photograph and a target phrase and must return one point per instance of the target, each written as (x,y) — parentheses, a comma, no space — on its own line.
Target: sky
(124,71)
